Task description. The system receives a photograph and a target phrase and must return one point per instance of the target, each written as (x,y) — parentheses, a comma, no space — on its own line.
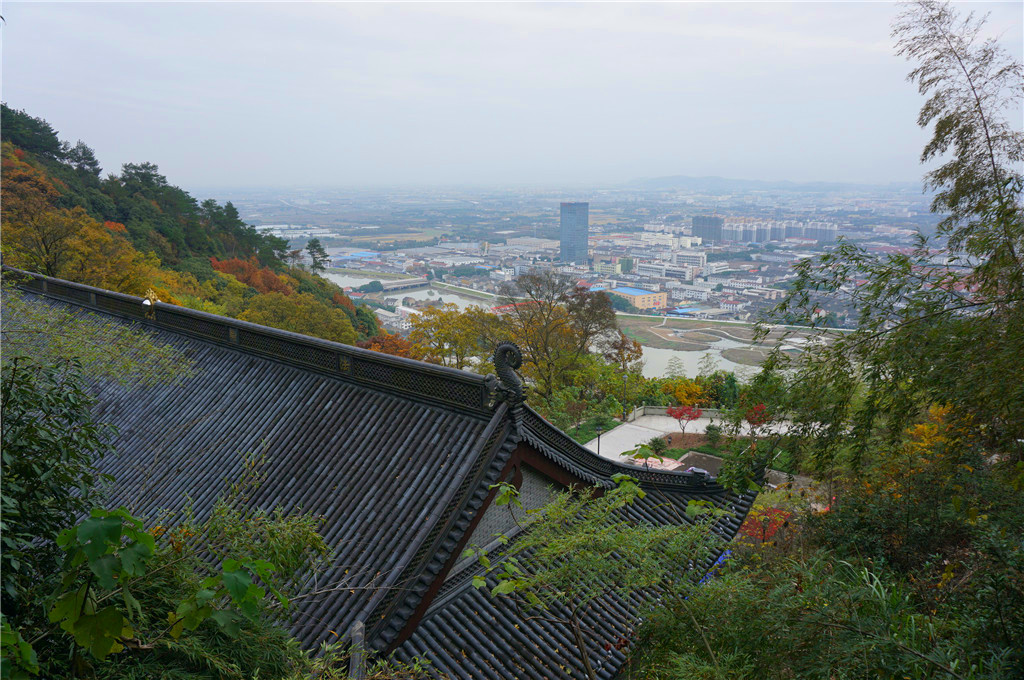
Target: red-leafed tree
(684,415)
(757,416)
(251,274)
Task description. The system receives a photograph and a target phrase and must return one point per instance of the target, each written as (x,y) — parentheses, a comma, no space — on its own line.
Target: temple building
(397,456)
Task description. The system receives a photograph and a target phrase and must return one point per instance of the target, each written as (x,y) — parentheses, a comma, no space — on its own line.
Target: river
(462,301)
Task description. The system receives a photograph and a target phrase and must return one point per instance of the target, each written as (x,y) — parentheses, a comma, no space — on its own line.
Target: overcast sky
(247,94)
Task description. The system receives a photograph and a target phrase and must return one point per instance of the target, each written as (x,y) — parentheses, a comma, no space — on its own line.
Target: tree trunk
(581,646)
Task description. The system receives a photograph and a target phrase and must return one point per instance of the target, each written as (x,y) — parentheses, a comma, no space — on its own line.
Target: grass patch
(645,336)
(633,335)
(712,451)
(698,336)
(745,356)
(587,430)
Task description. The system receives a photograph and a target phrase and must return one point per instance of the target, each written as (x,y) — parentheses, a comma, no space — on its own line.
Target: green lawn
(587,430)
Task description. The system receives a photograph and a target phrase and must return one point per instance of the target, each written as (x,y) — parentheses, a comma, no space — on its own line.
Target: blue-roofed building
(640,298)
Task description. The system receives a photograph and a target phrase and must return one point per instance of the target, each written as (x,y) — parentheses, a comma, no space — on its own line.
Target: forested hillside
(134,231)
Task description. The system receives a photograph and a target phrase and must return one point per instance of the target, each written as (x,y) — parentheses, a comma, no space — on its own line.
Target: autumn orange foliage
(251,274)
(388,344)
(344,301)
(27,192)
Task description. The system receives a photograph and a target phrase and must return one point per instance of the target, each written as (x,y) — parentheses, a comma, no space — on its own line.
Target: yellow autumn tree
(69,244)
(100,255)
(447,336)
(300,313)
(685,391)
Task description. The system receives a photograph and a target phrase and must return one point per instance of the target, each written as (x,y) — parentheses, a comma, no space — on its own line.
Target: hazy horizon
(554,187)
(240,95)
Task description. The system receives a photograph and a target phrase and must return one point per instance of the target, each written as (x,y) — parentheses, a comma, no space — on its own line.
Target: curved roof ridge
(578,459)
(441,384)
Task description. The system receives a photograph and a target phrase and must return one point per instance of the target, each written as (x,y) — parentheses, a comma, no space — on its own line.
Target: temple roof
(396,455)
(502,642)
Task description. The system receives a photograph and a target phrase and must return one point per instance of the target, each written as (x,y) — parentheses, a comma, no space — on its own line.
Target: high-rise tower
(708,228)
(575,230)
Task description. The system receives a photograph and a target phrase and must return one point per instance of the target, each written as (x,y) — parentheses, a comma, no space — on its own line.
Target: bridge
(404,284)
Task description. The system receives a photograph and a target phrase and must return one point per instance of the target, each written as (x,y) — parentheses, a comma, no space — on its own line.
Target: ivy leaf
(105,568)
(133,558)
(177,624)
(99,632)
(205,595)
(503,588)
(67,608)
(197,616)
(97,534)
(227,621)
(479,581)
(262,567)
(695,509)
(67,537)
(237,583)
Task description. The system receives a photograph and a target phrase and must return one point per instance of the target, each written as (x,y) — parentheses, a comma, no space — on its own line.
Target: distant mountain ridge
(725,185)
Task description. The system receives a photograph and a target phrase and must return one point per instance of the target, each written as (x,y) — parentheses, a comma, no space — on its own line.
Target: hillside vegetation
(133,231)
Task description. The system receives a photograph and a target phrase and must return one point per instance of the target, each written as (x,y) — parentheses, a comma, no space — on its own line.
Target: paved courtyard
(628,436)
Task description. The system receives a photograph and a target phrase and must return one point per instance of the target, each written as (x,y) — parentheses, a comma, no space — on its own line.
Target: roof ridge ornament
(150,303)
(507,358)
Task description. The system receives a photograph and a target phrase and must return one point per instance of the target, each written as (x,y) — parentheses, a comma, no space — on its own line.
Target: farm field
(698,335)
(390,237)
